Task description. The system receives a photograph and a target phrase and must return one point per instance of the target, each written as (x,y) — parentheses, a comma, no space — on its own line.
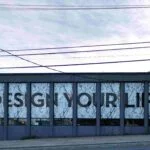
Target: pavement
(74,141)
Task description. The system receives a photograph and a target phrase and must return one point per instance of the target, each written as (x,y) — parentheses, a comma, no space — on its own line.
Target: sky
(26,29)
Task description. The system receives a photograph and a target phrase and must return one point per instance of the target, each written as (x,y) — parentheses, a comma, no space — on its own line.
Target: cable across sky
(75,7)
(78,64)
(78,51)
(32,62)
(80,46)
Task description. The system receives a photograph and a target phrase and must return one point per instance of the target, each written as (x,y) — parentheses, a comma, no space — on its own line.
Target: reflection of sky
(17,112)
(34,29)
(90,111)
(132,89)
(110,112)
(40,112)
(62,110)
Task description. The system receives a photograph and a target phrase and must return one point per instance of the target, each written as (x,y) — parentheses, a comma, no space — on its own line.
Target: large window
(17,110)
(40,104)
(134,104)
(86,104)
(1,104)
(110,104)
(63,104)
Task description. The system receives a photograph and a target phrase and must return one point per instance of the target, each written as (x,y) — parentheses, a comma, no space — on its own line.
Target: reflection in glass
(134,104)
(86,104)
(110,104)
(40,112)
(17,110)
(63,104)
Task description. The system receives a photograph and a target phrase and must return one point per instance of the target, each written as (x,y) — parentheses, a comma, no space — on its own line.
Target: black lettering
(127,101)
(0,99)
(112,102)
(143,97)
(40,101)
(69,99)
(18,99)
(56,99)
(149,98)
(139,103)
(94,99)
(102,99)
(89,100)
(137,99)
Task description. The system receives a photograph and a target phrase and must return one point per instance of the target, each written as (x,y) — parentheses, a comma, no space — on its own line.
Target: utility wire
(47,67)
(73,52)
(79,46)
(79,64)
(49,8)
(111,7)
(102,56)
(30,61)
(60,5)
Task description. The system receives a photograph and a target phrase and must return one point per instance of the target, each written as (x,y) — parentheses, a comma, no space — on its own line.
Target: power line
(31,61)
(112,7)
(79,46)
(47,67)
(60,5)
(79,64)
(73,52)
(101,56)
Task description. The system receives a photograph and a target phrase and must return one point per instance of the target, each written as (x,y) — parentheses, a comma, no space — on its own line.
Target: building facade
(74,104)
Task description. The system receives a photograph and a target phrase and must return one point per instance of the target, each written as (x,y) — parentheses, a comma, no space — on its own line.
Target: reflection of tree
(132,89)
(90,111)
(62,110)
(111,112)
(40,112)
(17,112)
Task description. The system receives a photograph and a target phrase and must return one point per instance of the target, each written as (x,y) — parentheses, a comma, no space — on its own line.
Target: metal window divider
(74,109)
(52,108)
(5,103)
(122,107)
(98,107)
(146,106)
(28,99)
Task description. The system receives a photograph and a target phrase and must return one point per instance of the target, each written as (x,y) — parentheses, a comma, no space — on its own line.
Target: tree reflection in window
(86,104)
(63,104)
(40,105)
(134,104)
(110,104)
(17,110)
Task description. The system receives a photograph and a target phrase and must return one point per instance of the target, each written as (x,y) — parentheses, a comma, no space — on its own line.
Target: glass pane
(134,104)
(17,104)
(1,104)
(63,104)
(86,104)
(40,104)
(110,104)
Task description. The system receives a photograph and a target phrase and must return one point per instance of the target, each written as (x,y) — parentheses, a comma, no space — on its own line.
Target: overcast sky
(26,29)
